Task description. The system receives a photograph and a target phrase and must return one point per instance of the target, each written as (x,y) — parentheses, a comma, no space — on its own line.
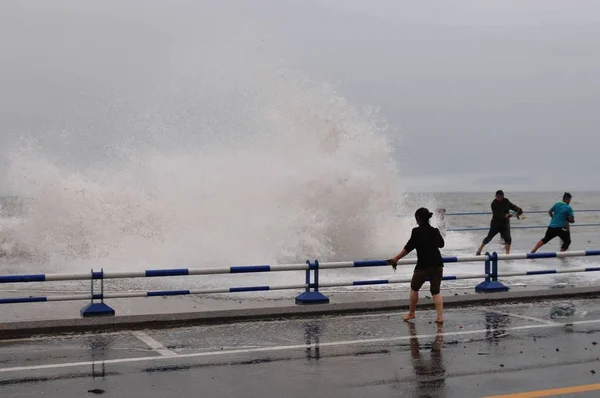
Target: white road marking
(288,347)
(155,345)
(529,318)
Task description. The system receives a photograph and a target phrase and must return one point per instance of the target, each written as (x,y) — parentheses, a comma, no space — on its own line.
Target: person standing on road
(562,215)
(427,240)
(500,222)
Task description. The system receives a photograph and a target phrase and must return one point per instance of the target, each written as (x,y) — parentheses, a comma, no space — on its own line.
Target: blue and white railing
(489,213)
(465,229)
(310,286)
(540,226)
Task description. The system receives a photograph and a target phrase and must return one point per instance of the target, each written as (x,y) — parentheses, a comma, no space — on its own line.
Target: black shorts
(562,233)
(502,229)
(434,275)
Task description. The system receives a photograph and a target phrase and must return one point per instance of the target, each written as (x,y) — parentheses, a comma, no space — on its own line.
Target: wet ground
(479,352)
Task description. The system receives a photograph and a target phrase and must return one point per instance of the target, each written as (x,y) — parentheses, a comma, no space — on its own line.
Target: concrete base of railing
(491,287)
(96,309)
(312,298)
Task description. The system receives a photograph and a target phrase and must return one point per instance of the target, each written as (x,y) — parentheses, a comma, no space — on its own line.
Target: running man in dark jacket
(500,223)
(428,241)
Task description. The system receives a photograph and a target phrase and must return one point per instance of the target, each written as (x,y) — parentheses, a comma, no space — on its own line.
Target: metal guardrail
(465,229)
(489,213)
(311,285)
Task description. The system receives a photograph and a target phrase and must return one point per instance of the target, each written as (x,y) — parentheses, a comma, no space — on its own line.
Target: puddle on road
(324,329)
(556,310)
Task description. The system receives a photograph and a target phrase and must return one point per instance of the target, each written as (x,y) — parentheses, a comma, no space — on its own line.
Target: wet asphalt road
(479,352)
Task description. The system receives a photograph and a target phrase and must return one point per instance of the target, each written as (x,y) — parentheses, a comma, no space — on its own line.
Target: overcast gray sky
(481,94)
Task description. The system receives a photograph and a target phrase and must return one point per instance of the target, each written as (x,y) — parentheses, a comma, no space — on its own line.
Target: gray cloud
(482,93)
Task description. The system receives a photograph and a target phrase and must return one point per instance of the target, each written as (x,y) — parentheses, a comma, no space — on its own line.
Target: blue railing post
(481,288)
(499,286)
(314,296)
(97,309)
(495,272)
(491,284)
(316,277)
(488,270)
(308,277)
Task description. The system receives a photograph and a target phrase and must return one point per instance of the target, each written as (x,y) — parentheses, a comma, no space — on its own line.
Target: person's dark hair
(423,215)
(567,196)
(499,192)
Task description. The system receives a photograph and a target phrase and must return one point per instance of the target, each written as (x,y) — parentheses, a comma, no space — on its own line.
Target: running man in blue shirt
(562,215)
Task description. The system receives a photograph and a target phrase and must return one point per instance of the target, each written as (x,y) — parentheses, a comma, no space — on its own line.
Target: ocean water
(224,154)
(457,243)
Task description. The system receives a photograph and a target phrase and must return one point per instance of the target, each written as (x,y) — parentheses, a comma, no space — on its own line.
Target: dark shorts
(433,275)
(562,233)
(502,229)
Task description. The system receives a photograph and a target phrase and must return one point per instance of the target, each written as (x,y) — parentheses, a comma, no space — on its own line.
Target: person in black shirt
(427,240)
(500,222)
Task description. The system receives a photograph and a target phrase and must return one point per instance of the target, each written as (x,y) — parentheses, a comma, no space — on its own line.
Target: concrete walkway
(21,320)
(542,348)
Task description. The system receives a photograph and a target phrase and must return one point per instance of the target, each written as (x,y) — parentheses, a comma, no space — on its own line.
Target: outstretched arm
(410,245)
(516,209)
(394,260)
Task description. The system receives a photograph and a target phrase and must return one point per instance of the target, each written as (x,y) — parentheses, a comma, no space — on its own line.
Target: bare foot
(439,321)
(408,317)
(478,253)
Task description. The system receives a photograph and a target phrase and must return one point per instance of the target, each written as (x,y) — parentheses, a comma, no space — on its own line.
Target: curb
(24,329)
